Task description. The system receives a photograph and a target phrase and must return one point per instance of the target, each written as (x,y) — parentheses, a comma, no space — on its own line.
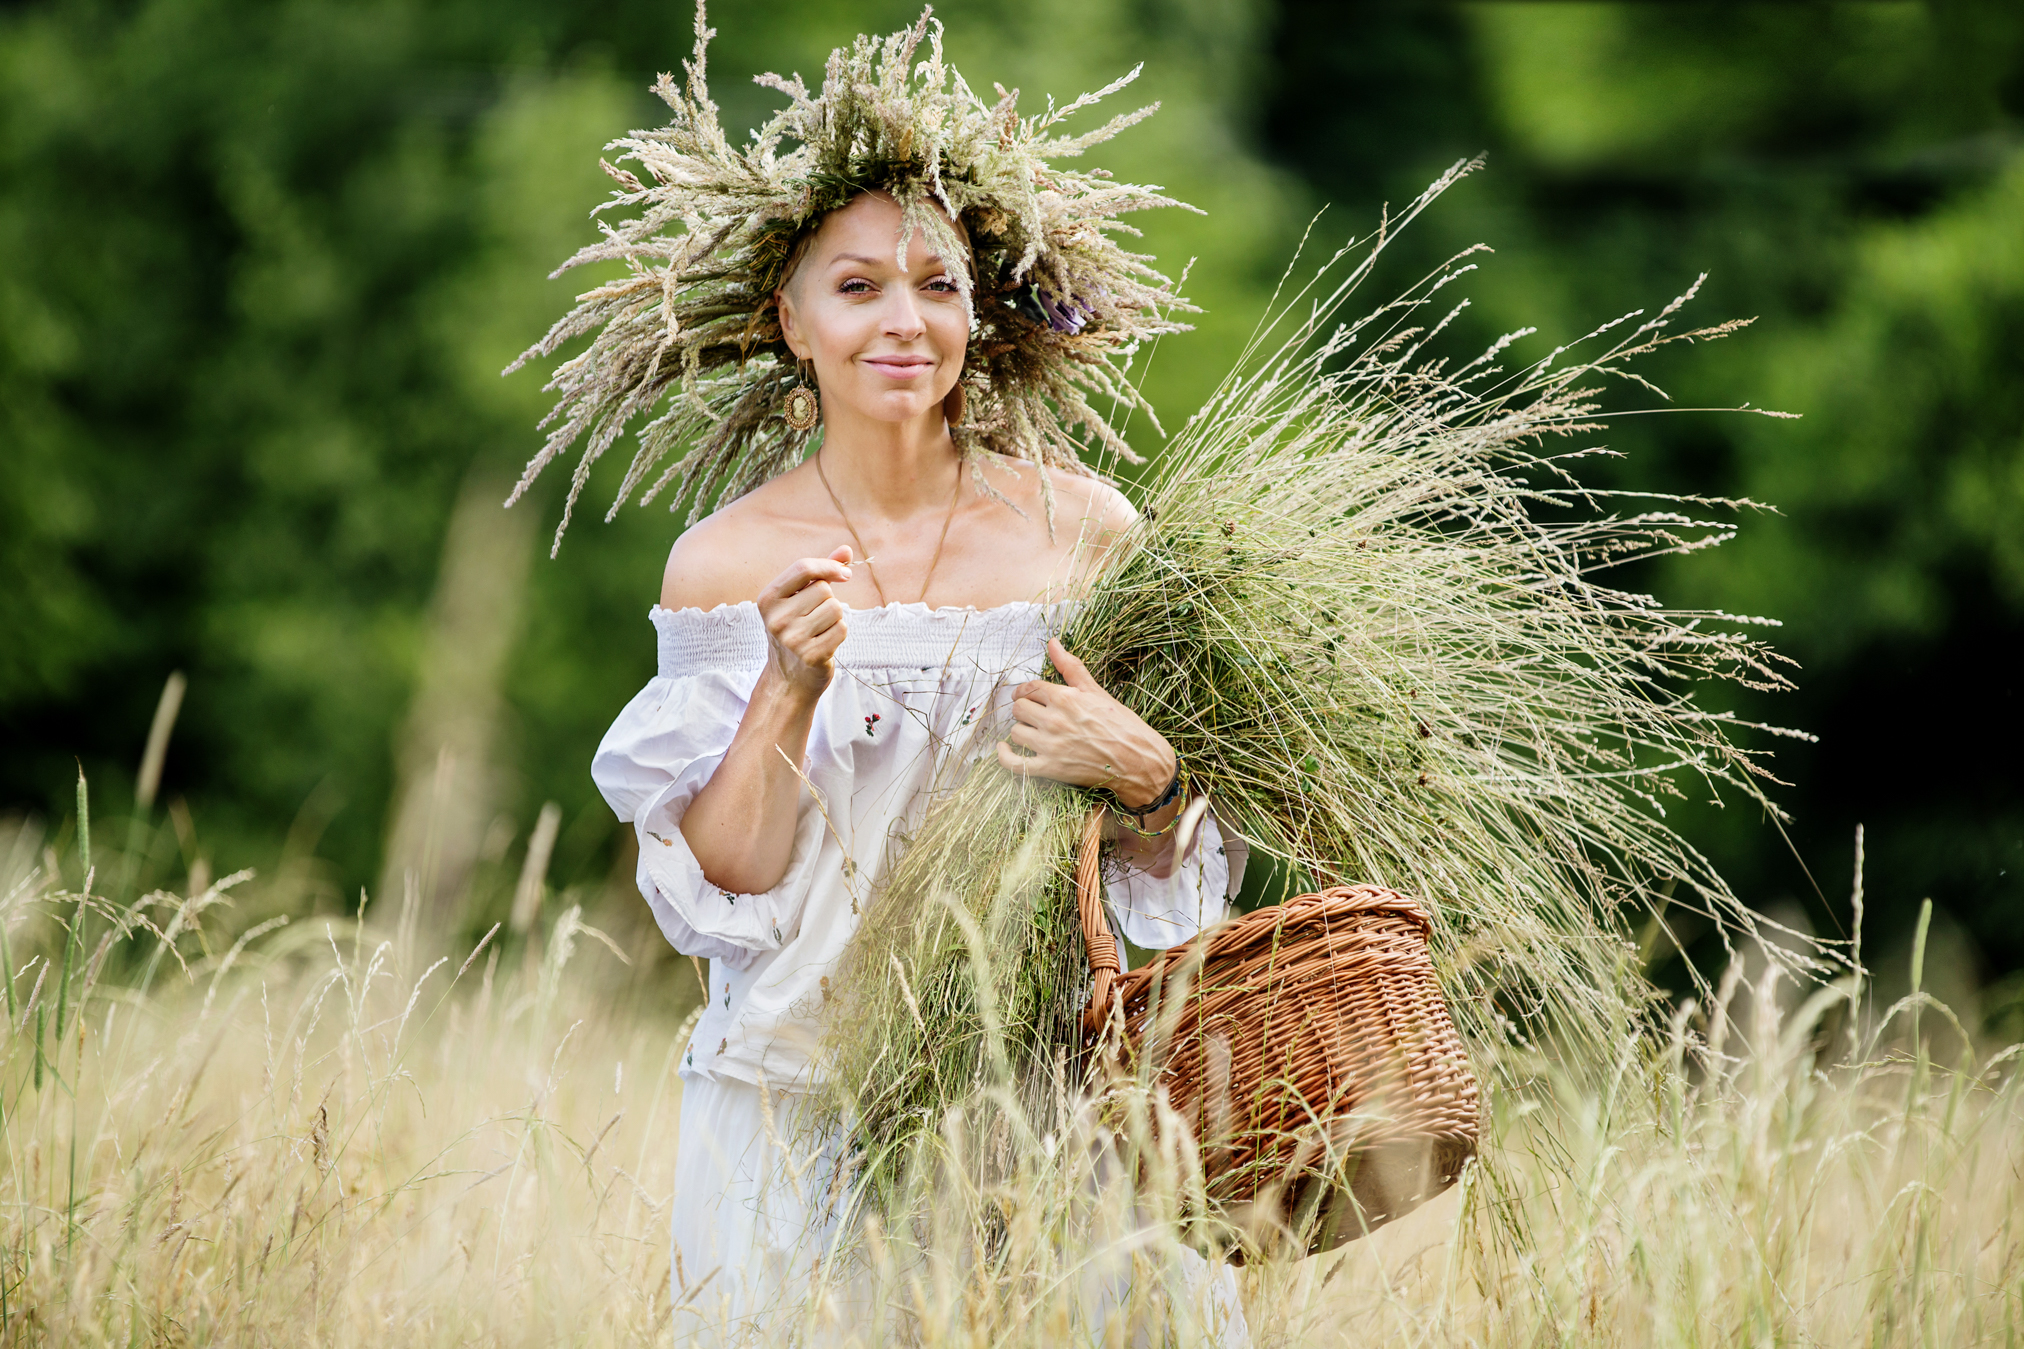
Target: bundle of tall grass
(1368,603)
(224,1133)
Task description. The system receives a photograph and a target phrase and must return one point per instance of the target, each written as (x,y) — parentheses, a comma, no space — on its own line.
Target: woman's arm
(741,825)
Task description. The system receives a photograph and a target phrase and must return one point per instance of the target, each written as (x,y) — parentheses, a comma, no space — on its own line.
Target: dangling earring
(955,406)
(801,409)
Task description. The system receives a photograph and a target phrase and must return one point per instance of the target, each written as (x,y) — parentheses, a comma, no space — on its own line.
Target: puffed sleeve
(1166,900)
(656,757)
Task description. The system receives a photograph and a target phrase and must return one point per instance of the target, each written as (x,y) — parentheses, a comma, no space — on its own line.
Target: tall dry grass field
(313,1135)
(323,1132)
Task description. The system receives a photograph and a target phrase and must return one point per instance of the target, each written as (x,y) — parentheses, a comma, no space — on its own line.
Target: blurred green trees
(260,265)
(1851,175)
(260,268)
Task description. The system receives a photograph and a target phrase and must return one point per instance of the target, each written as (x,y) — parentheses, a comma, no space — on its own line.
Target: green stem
(1920,1065)
(83,821)
(70,937)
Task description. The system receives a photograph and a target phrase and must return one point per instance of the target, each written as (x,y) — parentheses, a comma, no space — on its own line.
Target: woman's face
(886,344)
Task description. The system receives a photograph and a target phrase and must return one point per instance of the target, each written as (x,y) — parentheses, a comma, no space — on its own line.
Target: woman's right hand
(804,622)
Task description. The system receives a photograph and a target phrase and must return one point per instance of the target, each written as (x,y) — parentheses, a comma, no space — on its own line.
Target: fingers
(821,648)
(809,571)
(1030,738)
(804,618)
(1039,716)
(813,600)
(805,648)
(802,593)
(1014,762)
(1074,676)
(792,618)
(826,613)
(1025,750)
(814,634)
(1035,691)
(1073,672)
(804,572)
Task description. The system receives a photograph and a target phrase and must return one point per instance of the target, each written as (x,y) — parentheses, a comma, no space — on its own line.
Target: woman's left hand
(1074,732)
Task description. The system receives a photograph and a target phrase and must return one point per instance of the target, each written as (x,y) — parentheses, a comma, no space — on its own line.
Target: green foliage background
(260,265)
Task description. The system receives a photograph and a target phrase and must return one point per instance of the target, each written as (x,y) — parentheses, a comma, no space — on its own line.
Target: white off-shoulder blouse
(914,686)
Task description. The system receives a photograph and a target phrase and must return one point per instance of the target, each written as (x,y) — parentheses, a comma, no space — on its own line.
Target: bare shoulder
(723,558)
(1085,507)
(1090,517)
(1105,511)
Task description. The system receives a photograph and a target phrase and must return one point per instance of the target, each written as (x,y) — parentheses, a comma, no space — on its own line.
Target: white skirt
(751,1237)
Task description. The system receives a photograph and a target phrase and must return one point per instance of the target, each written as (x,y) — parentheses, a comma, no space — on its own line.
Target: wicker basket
(1308,1048)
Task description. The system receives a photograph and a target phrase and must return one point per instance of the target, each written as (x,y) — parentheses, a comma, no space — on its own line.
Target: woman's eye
(942,285)
(855,286)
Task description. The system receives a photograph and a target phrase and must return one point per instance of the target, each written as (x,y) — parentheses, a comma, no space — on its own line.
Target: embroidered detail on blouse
(871,721)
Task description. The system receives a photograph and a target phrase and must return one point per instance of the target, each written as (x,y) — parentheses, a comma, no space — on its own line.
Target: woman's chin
(895,406)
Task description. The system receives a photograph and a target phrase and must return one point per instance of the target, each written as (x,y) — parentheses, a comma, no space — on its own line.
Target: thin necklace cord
(865,553)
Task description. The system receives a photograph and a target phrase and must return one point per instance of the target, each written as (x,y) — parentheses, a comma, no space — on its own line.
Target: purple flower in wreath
(1062,313)
(1065,314)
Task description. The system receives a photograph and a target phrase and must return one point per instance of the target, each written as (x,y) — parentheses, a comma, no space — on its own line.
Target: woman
(836,638)
(824,640)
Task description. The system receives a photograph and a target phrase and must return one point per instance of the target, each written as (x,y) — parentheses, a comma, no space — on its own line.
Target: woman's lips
(900,367)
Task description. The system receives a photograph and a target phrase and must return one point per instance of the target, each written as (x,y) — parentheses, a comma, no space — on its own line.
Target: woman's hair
(689,333)
(798,252)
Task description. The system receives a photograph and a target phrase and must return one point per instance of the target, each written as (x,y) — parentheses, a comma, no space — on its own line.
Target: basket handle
(1096,939)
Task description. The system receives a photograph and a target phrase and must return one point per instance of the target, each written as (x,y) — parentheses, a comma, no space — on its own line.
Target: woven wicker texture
(1309,1049)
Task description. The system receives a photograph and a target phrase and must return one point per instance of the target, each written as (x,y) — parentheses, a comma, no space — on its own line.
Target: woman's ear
(790,331)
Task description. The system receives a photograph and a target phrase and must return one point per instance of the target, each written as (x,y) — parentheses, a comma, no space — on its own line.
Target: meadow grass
(237,1111)
(322,1132)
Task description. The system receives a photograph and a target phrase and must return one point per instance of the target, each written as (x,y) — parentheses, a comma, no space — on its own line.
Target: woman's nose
(903,314)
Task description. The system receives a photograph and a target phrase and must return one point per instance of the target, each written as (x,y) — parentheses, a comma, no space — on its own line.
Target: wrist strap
(1166,797)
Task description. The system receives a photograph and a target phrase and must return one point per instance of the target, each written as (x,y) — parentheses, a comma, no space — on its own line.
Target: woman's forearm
(741,825)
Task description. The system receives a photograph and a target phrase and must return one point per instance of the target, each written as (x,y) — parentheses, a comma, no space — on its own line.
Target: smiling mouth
(900,367)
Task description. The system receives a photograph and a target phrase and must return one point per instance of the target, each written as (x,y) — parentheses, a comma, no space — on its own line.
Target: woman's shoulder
(1079,499)
(723,558)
